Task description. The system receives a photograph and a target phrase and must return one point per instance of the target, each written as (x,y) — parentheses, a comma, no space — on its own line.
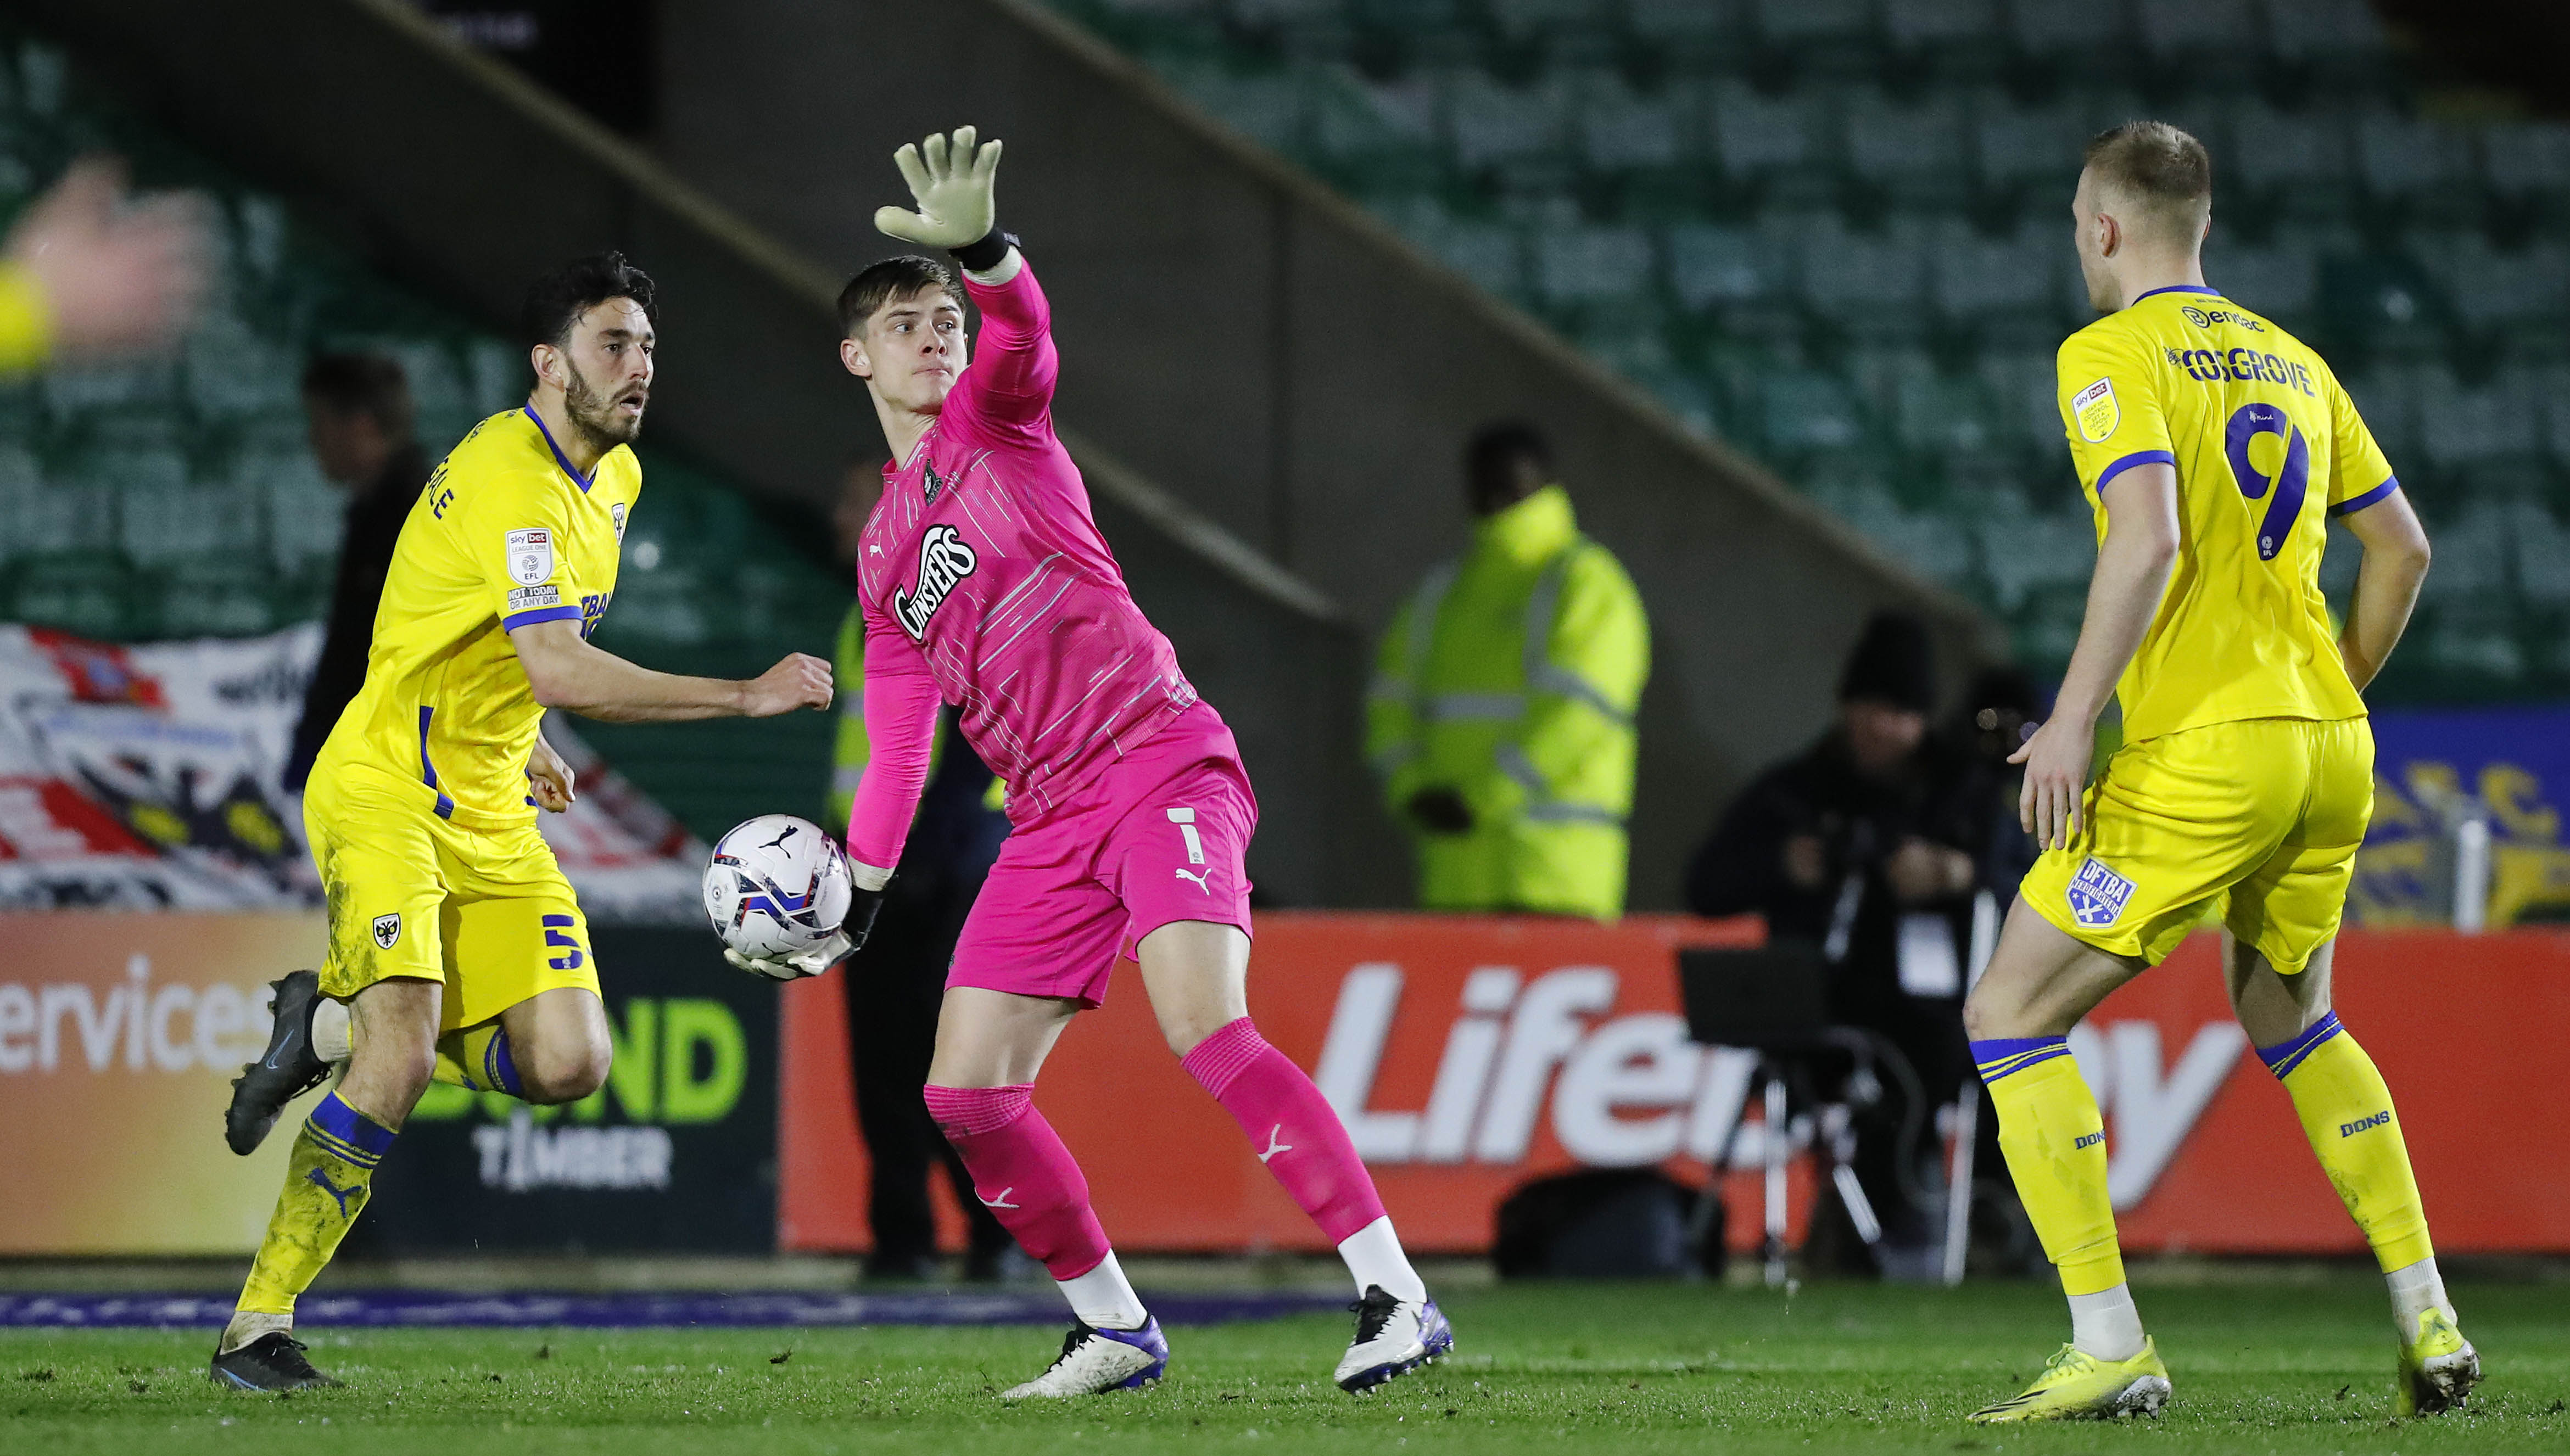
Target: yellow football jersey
(2267,445)
(506,534)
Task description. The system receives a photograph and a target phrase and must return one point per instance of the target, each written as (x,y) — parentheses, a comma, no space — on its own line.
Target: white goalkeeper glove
(952,183)
(809,961)
(838,946)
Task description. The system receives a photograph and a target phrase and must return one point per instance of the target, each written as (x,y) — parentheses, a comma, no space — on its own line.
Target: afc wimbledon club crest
(387,930)
(615,513)
(531,555)
(2097,896)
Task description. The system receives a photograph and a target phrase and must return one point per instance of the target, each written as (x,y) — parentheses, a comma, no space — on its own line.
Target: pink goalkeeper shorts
(1156,838)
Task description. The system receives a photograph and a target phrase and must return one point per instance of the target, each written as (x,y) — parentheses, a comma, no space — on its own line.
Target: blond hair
(2164,170)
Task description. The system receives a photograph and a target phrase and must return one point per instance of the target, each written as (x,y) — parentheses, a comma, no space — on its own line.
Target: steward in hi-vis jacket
(1501,717)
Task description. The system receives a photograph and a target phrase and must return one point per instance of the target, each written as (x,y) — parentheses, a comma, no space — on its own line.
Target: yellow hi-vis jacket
(848,761)
(1512,678)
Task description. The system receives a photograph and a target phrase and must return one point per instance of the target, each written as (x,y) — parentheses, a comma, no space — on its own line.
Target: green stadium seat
(2024,551)
(211,596)
(1871,285)
(1701,36)
(1825,38)
(1519,137)
(2280,279)
(1933,544)
(1782,148)
(2511,301)
(1378,139)
(2204,43)
(2388,396)
(1917,155)
(2339,45)
(2527,166)
(158,525)
(2417,169)
(2005,288)
(1805,411)
(1591,265)
(2079,40)
(2026,160)
(1950,40)
(1264,106)
(1619,129)
(89,593)
(1492,254)
(2290,164)
(1714,265)
(2542,562)
(2484,431)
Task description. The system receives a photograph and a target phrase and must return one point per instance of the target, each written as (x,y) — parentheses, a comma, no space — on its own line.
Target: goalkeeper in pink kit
(986,584)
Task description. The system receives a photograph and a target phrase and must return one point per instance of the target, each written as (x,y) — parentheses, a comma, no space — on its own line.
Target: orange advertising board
(1469,1056)
(120,1034)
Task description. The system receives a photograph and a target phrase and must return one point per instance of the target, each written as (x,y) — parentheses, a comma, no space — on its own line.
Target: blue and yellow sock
(478,1057)
(2055,1142)
(327,1178)
(2347,1113)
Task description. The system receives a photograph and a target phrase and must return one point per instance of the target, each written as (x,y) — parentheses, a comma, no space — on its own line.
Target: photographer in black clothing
(1868,847)
(359,420)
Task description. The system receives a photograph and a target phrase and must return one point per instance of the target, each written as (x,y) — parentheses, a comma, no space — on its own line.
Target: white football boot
(1094,1361)
(1393,1337)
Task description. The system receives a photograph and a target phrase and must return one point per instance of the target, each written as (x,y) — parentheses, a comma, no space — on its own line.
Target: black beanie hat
(1894,662)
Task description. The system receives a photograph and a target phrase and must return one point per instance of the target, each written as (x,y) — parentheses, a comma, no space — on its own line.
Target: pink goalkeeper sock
(1290,1125)
(1022,1174)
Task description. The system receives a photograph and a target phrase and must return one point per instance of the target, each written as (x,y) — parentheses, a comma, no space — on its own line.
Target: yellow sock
(2347,1113)
(327,1177)
(478,1057)
(2055,1143)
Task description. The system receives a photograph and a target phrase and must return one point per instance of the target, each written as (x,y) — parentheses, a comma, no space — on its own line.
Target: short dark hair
(2164,168)
(556,301)
(1502,445)
(363,384)
(896,277)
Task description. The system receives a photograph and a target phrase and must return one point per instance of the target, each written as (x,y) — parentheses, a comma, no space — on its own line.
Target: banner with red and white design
(148,777)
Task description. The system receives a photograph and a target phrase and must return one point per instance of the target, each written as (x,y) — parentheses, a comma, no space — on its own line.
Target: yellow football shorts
(487,912)
(2269,813)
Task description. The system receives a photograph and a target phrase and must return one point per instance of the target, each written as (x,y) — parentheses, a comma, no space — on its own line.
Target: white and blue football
(776,886)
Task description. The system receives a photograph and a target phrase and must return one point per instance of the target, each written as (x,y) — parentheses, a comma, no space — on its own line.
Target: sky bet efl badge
(531,555)
(2097,896)
(2094,409)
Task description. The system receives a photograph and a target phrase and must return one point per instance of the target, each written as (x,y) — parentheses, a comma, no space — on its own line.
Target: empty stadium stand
(1832,233)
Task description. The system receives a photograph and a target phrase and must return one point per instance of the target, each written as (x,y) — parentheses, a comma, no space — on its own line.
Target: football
(776,884)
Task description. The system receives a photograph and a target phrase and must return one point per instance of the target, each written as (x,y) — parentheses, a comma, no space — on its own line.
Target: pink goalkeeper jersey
(986,584)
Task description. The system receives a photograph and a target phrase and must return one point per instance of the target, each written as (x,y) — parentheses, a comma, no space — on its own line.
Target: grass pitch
(2259,1368)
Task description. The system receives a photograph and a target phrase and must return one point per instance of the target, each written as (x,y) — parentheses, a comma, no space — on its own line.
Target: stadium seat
(2417,169)
(1779,148)
(1916,155)
(2205,44)
(1949,40)
(2292,166)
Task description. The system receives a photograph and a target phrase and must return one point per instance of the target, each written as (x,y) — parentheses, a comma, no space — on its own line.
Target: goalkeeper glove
(952,184)
(838,946)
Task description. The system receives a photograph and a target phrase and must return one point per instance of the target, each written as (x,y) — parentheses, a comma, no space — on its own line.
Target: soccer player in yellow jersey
(456,950)
(2214,447)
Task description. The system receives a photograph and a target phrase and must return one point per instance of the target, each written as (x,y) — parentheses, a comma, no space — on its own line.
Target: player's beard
(596,415)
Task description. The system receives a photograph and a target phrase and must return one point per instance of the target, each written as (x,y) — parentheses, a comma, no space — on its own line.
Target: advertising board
(1468,1056)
